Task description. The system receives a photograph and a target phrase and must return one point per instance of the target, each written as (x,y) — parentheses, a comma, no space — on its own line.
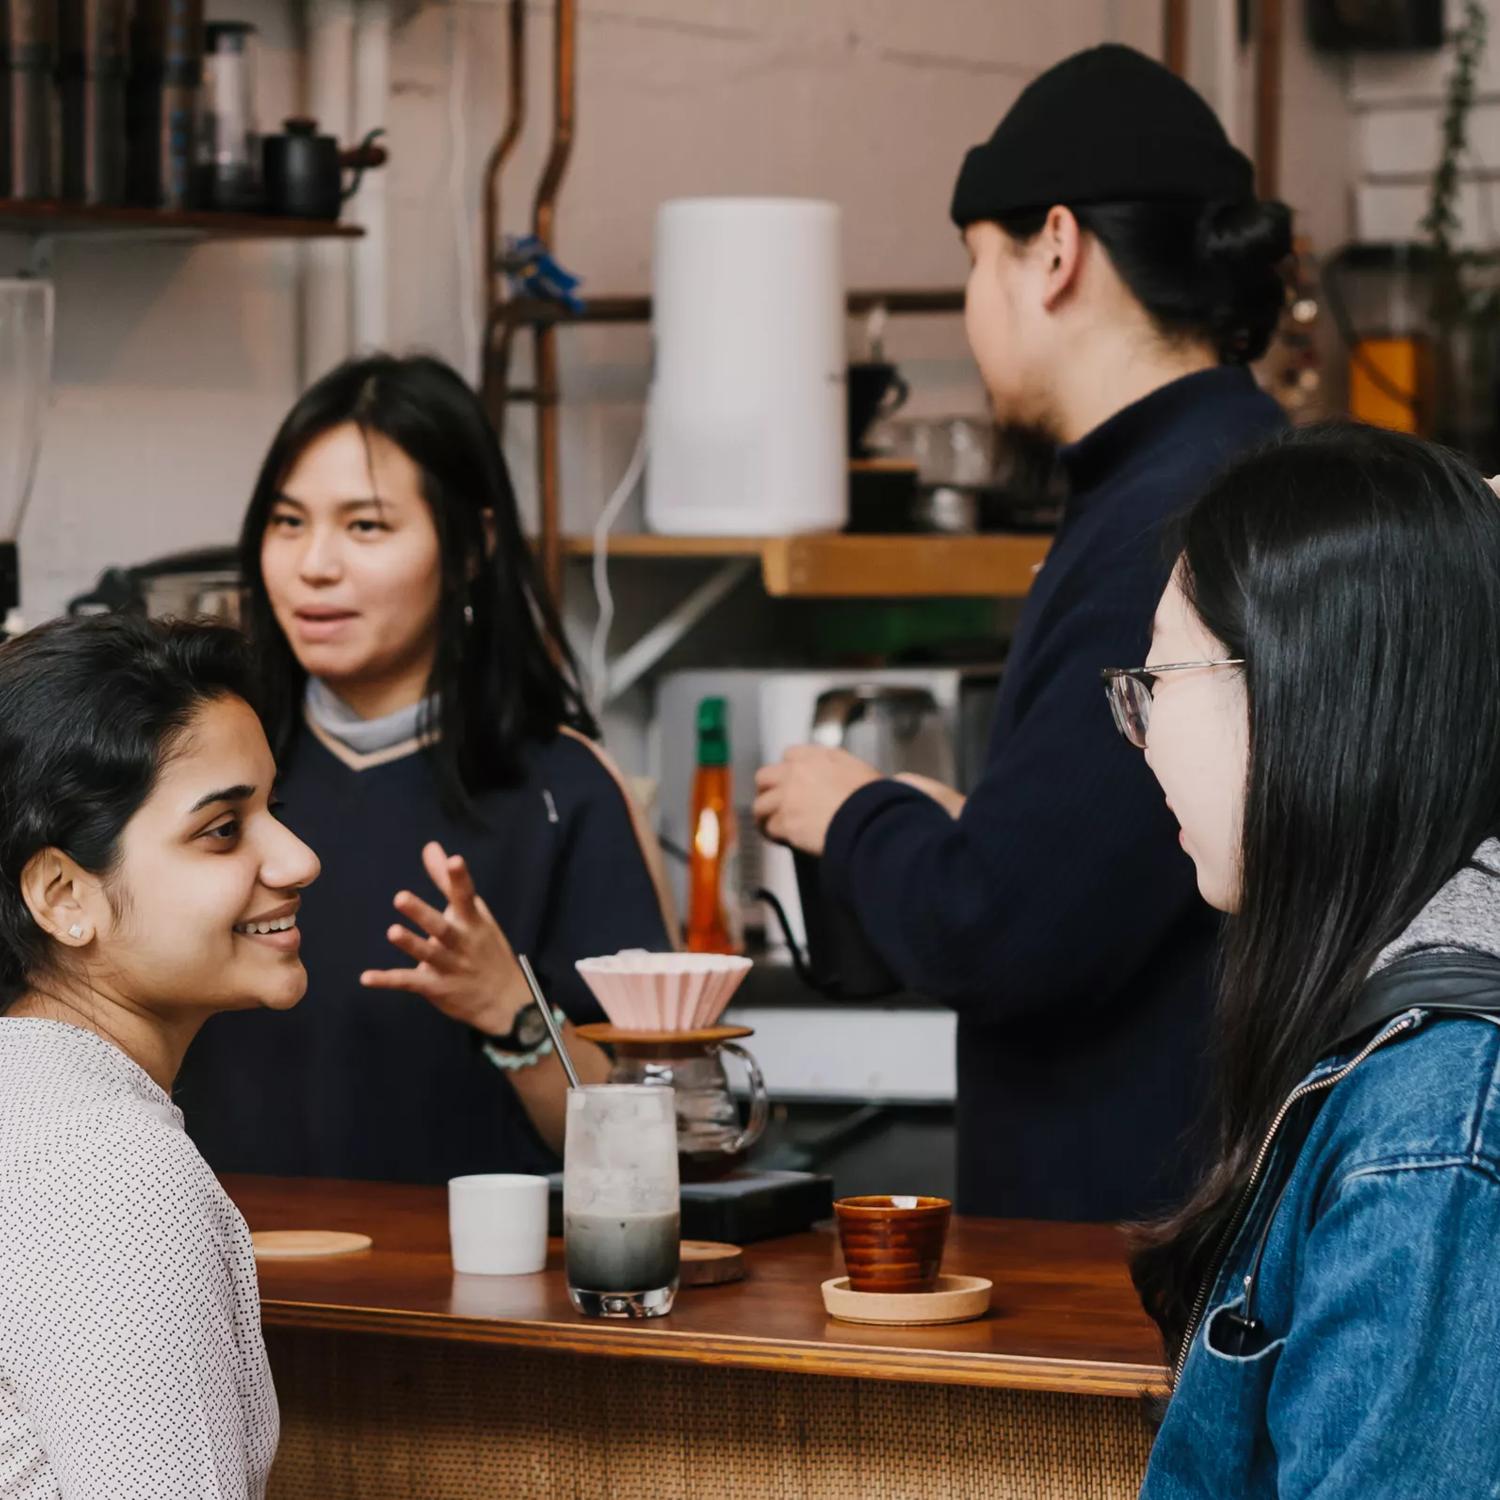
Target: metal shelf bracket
(633,664)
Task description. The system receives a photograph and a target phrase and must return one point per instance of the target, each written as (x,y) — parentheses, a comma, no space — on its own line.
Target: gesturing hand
(465,965)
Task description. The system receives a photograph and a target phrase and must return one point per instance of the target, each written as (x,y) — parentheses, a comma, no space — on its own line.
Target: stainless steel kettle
(895,729)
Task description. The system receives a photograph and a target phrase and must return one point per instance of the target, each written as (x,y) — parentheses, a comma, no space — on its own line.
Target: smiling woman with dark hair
(425,712)
(145,883)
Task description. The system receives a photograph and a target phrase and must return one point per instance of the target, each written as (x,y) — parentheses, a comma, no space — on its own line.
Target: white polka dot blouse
(131,1358)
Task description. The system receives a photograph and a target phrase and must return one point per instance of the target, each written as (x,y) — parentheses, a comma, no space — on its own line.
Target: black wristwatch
(527,1033)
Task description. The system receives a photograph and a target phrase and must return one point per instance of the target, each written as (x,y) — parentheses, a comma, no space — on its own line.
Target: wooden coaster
(955,1299)
(303,1244)
(708,1263)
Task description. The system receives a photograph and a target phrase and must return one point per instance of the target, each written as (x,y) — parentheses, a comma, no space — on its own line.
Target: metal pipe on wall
(1174,24)
(492,279)
(1268,45)
(1227,56)
(564,103)
(370,257)
(326,300)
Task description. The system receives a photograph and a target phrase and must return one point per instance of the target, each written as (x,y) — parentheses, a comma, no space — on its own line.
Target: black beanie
(1104,126)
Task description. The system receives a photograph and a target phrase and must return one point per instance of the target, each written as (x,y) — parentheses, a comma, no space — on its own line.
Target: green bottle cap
(713,732)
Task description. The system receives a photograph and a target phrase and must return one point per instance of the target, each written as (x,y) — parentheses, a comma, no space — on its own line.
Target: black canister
(162,99)
(95,56)
(29,46)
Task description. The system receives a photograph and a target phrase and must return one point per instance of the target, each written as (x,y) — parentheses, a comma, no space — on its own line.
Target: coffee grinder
(25,379)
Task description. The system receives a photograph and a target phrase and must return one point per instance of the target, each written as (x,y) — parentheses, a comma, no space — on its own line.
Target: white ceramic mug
(497,1224)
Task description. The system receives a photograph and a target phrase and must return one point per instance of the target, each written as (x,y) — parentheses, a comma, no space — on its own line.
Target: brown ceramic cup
(893,1244)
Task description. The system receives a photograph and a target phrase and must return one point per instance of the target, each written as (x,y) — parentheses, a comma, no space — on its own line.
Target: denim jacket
(1373,1368)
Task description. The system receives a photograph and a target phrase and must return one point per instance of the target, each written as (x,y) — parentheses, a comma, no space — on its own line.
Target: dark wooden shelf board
(25,216)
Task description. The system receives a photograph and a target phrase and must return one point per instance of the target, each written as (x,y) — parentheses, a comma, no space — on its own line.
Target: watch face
(531,1028)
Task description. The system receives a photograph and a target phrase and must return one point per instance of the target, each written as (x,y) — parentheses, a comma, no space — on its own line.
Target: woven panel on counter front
(403,1419)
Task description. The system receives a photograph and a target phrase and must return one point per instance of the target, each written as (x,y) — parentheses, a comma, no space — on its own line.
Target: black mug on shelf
(876,389)
(304,171)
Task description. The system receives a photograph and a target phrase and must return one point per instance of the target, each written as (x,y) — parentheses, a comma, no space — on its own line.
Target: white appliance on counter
(769,711)
(26,327)
(856,1053)
(747,420)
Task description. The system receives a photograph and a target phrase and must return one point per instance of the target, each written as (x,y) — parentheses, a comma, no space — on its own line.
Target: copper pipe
(1268,29)
(493,373)
(564,108)
(564,105)
(1174,40)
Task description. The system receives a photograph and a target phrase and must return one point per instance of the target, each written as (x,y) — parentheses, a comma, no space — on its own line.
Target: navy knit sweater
(376,1084)
(1058,915)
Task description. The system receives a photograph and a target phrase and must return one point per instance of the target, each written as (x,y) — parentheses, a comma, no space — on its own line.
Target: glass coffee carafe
(711,1140)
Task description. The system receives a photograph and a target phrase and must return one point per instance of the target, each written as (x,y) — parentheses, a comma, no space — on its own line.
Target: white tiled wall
(1397,105)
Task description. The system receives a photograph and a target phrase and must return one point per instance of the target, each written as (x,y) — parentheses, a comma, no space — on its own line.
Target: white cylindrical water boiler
(747,418)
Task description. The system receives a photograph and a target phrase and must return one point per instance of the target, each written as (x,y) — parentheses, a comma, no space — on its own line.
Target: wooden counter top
(1064,1316)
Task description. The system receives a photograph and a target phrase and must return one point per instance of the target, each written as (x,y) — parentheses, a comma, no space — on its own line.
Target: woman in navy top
(426,716)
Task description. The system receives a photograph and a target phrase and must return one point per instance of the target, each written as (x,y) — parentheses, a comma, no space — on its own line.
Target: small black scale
(742,1207)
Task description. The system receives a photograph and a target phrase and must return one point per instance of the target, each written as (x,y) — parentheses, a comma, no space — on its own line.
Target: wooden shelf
(25,216)
(837,565)
(637,308)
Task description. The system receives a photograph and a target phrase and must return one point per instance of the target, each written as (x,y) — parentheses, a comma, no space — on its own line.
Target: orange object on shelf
(712,924)
(1390,382)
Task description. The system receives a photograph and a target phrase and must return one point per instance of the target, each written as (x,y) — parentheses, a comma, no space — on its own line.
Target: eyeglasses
(1129,692)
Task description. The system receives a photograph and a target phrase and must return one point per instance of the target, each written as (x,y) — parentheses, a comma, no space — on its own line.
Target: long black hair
(90,711)
(1209,271)
(503,673)
(1357,573)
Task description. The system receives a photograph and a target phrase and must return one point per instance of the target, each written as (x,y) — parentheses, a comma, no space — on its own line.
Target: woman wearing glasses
(1321,707)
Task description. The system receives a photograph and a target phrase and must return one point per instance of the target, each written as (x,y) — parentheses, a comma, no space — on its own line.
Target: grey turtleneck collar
(365,736)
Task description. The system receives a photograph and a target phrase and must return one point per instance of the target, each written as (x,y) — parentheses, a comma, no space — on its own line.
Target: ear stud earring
(75,931)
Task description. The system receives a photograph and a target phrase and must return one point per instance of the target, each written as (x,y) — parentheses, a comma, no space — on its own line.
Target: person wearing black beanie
(1123,274)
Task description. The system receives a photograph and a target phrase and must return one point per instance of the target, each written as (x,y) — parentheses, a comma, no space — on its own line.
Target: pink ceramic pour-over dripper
(664,991)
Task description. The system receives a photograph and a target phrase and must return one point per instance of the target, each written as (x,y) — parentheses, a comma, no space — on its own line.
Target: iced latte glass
(621,1223)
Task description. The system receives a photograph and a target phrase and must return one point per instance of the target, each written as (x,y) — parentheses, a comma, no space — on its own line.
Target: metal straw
(553,1029)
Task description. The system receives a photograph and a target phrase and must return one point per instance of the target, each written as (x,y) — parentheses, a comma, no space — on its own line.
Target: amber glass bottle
(712,925)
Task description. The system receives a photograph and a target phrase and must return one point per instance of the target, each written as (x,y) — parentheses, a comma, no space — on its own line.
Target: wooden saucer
(708,1263)
(956,1299)
(304,1244)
